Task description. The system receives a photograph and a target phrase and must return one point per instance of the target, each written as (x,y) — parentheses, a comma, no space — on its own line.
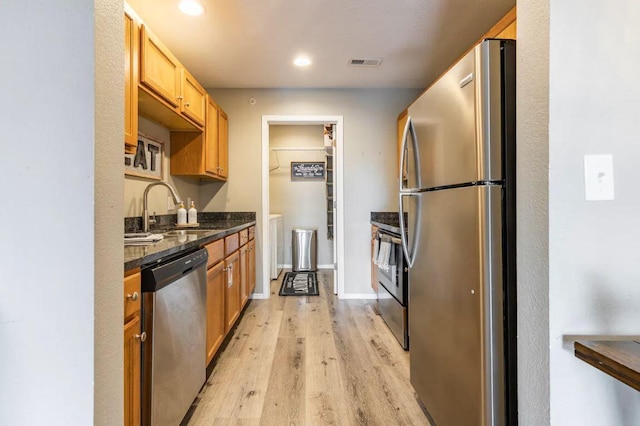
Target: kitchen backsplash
(134,224)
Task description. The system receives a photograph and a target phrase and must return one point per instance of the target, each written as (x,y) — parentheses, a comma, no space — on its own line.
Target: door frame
(298,120)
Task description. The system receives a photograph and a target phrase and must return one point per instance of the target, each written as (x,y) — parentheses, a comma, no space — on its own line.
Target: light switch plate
(598,177)
(170,205)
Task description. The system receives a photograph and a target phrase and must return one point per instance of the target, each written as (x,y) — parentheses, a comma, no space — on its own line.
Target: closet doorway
(337,192)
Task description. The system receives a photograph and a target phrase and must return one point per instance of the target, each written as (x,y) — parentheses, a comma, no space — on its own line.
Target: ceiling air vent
(366,62)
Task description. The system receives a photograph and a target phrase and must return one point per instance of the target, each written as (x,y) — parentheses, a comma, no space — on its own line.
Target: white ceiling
(252,43)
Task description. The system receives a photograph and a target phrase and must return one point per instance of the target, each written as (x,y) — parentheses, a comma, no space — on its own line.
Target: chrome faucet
(145,213)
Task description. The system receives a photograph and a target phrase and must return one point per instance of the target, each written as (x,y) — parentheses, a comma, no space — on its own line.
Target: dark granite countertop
(208,231)
(389,221)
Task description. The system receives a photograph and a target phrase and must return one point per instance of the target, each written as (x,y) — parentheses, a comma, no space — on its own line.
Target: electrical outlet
(170,205)
(598,177)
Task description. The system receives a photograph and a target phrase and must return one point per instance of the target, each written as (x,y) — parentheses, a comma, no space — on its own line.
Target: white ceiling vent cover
(365,62)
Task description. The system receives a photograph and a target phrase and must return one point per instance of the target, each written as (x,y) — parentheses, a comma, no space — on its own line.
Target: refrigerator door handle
(410,252)
(409,129)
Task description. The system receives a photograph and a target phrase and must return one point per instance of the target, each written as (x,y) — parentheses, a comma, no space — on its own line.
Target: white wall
(108,255)
(369,159)
(47,168)
(594,247)
(302,203)
(532,109)
(134,186)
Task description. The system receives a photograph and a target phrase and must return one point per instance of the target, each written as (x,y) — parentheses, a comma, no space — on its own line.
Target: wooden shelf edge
(588,351)
(152,107)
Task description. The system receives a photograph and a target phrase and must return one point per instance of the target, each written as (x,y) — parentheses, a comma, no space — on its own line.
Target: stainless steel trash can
(304,248)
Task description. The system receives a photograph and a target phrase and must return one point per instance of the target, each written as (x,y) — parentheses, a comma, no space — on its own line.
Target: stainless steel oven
(393,286)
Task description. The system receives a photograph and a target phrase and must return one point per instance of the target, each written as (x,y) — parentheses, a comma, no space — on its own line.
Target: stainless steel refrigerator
(457,213)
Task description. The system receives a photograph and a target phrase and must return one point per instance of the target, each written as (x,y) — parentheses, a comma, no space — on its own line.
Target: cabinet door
(252,266)
(132,372)
(232,293)
(244,275)
(193,98)
(130,83)
(215,309)
(160,71)
(223,140)
(211,138)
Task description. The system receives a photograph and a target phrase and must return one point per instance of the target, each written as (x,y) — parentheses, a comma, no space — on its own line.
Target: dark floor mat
(299,284)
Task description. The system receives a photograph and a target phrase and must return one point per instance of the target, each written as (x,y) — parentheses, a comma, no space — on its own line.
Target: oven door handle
(397,241)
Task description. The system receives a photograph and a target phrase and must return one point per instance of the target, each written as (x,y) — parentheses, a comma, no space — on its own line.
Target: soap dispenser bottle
(193,214)
(182,215)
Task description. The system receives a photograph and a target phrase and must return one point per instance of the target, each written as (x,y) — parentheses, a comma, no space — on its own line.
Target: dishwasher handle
(159,276)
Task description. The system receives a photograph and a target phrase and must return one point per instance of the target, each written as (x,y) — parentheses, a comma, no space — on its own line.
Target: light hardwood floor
(310,361)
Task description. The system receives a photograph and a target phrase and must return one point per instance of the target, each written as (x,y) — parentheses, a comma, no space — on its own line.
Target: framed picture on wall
(146,160)
(307,170)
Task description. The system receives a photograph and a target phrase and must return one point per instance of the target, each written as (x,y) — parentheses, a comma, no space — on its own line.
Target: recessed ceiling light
(302,61)
(191,7)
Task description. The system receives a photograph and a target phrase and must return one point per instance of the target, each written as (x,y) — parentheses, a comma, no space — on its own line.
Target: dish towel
(153,238)
(376,247)
(384,253)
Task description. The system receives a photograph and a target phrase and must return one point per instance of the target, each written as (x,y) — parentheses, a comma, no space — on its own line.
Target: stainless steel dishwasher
(173,357)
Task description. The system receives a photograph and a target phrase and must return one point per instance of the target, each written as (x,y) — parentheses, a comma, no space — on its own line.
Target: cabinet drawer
(252,232)
(244,237)
(231,243)
(132,295)
(215,250)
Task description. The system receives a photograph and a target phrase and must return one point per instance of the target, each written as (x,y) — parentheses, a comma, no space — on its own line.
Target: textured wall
(47,166)
(302,203)
(532,215)
(369,159)
(109,128)
(594,246)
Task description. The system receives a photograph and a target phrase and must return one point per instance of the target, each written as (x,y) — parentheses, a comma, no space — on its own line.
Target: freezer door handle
(409,129)
(409,252)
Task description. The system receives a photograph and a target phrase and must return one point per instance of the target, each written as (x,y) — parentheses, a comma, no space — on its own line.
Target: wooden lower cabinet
(132,347)
(252,266)
(244,275)
(215,309)
(132,351)
(374,268)
(232,291)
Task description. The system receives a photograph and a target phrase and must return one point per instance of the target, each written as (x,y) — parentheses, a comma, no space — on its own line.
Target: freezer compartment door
(457,123)
(455,305)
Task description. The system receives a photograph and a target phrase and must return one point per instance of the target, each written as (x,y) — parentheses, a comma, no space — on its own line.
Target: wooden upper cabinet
(131,54)
(160,71)
(211,138)
(194,98)
(223,143)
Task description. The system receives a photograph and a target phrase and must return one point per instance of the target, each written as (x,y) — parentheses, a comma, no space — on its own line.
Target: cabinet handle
(179,97)
(142,337)
(133,296)
(222,169)
(187,104)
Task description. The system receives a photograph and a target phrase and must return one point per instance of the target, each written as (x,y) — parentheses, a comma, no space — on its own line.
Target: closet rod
(300,148)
